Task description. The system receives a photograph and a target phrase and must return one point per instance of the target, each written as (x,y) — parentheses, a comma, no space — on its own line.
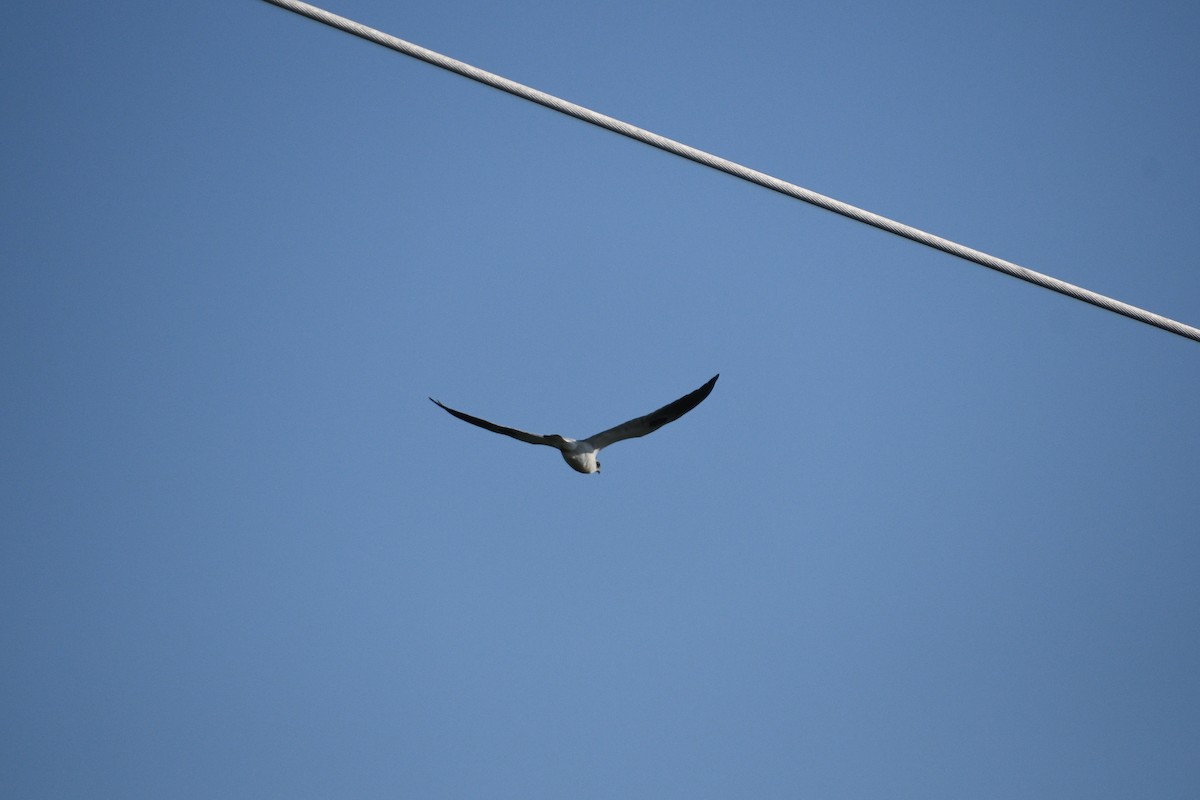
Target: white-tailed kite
(581,454)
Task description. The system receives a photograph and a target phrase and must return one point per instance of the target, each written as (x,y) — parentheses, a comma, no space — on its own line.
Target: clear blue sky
(936,533)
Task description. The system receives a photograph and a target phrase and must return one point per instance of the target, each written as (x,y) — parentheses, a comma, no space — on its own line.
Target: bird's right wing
(655,419)
(551,440)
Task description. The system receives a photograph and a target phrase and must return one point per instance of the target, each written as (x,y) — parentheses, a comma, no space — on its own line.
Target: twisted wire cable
(737,170)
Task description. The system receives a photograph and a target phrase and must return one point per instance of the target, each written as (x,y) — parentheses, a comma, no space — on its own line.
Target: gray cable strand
(737,170)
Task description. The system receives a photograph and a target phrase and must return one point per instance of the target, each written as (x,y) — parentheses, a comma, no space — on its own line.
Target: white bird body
(581,454)
(582,458)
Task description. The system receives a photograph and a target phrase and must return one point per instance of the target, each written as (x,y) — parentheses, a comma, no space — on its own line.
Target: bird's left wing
(655,419)
(551,440)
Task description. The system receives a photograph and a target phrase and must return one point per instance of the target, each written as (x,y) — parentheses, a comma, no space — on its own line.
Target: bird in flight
(581,454)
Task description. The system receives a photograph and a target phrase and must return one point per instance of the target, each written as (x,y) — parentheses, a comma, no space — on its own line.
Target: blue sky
(935,533)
